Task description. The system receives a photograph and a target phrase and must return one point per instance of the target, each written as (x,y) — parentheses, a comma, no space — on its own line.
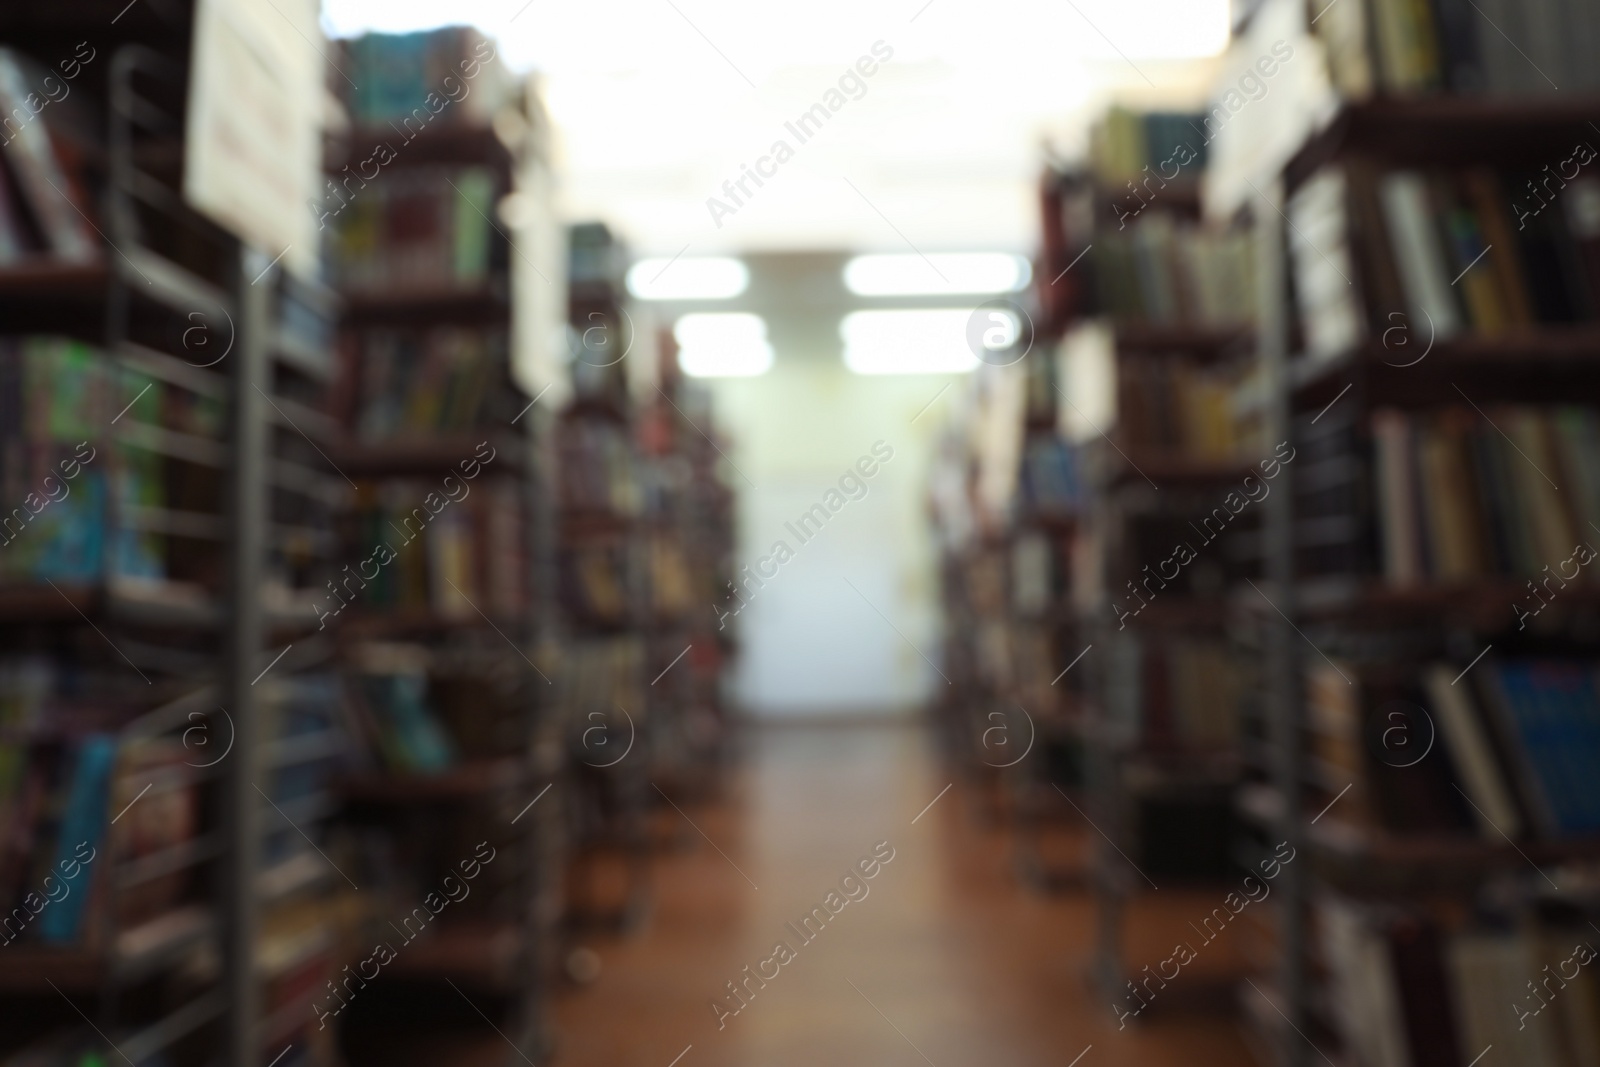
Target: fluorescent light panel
(688,278)
(943,273)
(723,345)
(910,341)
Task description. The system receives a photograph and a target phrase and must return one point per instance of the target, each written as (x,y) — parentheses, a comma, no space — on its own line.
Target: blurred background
(663,533)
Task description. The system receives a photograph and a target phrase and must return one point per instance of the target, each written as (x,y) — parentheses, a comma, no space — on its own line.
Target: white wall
(809,643)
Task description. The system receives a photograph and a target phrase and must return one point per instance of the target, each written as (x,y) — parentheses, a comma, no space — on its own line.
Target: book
(1547,714)
(1423,272)
(1472,752)
(1462,494)
(1488,971)
(52,194)
(422,228)
(83,823)
(1502,48)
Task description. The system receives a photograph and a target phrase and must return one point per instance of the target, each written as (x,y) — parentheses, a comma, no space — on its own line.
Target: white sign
(254,137)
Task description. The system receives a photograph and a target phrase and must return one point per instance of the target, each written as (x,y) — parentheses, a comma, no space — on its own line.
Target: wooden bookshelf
(1354,613)
(493,780)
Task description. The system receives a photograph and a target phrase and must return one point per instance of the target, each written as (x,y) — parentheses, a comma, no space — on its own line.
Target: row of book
(397,72)
(598,470)
(1460,496)
(423,228)
(1517,743)
(1409,988)
(391,713)
(453,557)
(72,457)
(416,381)
(1127,145)
(1498,47)
(1052,481)
(42,198)
(59,390)
(600,690)
(1440,253)
(595,580)
(1162,273)
(1189,692)
(1171,404)
(1175,692)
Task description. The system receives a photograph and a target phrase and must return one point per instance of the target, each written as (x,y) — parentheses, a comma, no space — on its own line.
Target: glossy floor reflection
(947,960)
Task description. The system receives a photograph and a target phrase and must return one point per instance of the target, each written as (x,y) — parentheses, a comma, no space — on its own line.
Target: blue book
(83,821)
(1550,714)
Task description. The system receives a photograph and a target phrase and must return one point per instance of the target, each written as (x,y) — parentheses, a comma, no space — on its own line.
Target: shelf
(1559,353)
(1428,858)
(1447,130)
(441,141)
(423,452)
(1134,338)
(478,305)
(54,278)
(1173,468)
(146,601)
(421,622)
(466,781)
(1486,602)
(137,951)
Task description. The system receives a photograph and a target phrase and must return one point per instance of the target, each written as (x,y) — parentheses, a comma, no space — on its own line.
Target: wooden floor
(947,961)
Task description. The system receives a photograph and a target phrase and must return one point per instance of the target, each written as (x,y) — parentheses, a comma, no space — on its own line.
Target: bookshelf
(606,600)
(1412,894)
(1154,337)
(688,516)
(442,624)
(1007,505)
(143,603)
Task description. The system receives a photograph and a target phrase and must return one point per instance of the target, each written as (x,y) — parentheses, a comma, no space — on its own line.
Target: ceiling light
(695,278)
(938,274)
(723,345)
(913,341)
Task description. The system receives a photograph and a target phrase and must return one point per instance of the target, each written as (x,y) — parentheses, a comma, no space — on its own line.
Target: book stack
(423,228)
(397,73)
(1439,253)
(1161,271)
(1412,986)
(1188,695)
(426,381)
(1172,404)
(392,714)
(1497,47)
(598,468)
(1462,496)
(449,555)
(52,394)
(1126,146)
(1518,740)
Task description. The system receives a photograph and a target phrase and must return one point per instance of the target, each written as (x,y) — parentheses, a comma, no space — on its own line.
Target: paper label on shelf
(253,147)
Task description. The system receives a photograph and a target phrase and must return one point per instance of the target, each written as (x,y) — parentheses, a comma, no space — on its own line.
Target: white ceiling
(659,102)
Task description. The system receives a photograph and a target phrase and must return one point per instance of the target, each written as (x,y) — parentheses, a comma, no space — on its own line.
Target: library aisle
(945,953)
(709,534)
